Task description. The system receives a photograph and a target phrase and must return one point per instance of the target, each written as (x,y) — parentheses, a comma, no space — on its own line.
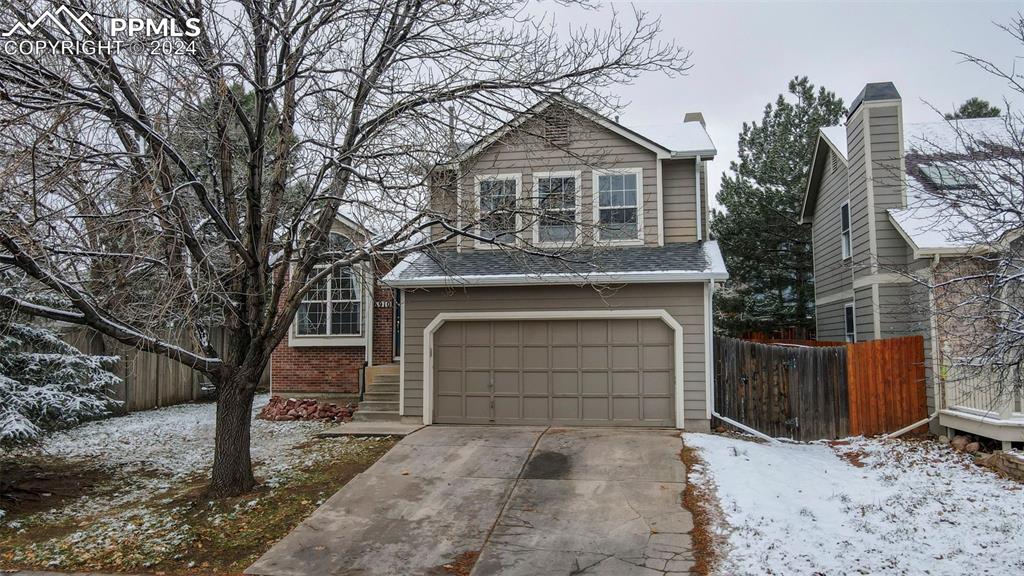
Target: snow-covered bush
(46,383)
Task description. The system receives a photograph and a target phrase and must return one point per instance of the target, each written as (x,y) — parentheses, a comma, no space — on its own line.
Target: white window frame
(596,201)
(850,336)
(577,217)
(297,340)
(846,235)
(515,177)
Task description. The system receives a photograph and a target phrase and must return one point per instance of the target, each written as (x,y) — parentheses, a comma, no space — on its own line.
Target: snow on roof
(933,225)
(927,221)
(951,136)
(682,138)
(836,135)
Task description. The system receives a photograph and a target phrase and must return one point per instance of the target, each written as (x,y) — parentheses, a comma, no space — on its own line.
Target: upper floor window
(557,203)
(496,196)
(332,307)
(618,210)
(845,238)
(850,321)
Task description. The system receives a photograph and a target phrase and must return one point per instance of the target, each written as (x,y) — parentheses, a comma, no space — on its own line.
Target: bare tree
(966,191)
(185,182)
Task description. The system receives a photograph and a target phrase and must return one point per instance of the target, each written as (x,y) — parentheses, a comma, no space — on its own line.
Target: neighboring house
(616,331)
(873,227)
(344,325)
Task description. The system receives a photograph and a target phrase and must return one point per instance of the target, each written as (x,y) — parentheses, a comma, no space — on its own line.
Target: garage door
(563,372)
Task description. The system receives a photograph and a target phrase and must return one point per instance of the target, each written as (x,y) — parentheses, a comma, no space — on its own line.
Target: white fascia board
(707,154)
(576,279)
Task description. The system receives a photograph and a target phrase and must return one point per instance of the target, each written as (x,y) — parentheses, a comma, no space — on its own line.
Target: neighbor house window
(618,205)
(557,201)
(850,321)
(332,307)
(497,196)
(844,226)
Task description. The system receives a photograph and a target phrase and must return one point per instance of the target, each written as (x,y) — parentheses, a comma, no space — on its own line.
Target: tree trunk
(232,465)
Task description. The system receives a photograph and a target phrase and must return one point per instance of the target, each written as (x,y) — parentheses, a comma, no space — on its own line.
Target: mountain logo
(76,20)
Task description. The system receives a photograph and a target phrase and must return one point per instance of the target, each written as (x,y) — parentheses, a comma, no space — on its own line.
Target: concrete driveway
(518,500)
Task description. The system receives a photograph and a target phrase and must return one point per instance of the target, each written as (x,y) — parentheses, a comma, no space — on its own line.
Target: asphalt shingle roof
(448,263)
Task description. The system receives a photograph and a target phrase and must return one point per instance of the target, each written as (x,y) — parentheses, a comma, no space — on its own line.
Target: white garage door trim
(440,319)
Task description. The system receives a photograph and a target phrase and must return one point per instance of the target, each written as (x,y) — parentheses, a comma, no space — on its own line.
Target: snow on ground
(150,454)
(177,441)
(912,508)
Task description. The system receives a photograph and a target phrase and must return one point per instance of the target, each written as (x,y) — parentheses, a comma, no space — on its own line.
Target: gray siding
(680,198)
(858,192)
(831,323)
(685,302)
(874,147)
(864,311)
(705,205)
(886,168)
(591,147)
(832,274)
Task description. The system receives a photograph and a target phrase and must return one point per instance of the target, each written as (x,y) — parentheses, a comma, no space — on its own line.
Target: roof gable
(830,138)
(685,140)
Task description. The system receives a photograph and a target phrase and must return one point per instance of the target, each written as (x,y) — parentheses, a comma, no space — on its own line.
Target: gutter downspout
(709,348)
(903,431)
(745,428)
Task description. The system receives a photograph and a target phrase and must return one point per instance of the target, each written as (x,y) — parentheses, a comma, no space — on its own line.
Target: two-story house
(876,234)
(582,294)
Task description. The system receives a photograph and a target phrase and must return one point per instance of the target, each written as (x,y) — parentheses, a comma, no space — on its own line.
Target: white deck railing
(983,391)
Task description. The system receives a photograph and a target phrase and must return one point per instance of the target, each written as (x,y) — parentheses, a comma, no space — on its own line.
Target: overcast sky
(744,53)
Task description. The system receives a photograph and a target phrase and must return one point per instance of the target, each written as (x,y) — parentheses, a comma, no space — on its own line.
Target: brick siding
(335,369)
(383,326)
(317,370)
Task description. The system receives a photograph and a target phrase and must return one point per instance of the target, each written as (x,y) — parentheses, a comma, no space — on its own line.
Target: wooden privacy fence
(149,380)
(886,384)
(821,391)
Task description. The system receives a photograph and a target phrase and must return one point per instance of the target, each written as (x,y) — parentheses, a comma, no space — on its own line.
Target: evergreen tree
(766,249)
(974,108)
(46,383)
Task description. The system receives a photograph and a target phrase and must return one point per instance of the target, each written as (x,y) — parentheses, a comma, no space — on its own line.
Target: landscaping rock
(960,442)
(944,439)
(972,447)
(1009,464)
(288,409)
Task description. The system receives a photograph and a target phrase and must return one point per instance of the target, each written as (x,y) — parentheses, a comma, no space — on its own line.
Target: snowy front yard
(140,505)
(868,506)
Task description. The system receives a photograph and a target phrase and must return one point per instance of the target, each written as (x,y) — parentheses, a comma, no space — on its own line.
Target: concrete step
(382,389)
(381,397)
(386,368)
(385,379)
(375,416)
(379,406)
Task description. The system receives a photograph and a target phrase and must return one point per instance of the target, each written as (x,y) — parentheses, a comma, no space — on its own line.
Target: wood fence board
(815,392)
(149,380)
